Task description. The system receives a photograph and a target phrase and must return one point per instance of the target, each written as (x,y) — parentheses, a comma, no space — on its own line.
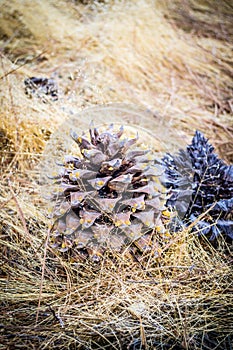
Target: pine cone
(198,180)
(41,87)
(109,197)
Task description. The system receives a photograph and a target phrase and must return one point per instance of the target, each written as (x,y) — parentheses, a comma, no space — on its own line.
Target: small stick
(24,64)
(56,316)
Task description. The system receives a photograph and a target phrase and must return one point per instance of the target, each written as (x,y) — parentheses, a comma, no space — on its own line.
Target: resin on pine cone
(109,196)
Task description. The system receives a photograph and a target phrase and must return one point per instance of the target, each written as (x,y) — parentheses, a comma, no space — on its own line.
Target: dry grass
(131,52)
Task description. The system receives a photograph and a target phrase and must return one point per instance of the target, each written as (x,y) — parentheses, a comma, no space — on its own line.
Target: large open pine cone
(109,197)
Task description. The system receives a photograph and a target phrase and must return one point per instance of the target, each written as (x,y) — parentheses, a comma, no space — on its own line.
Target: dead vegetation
(173,60)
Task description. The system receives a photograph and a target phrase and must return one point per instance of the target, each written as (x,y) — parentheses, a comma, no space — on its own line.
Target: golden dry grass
(122,51)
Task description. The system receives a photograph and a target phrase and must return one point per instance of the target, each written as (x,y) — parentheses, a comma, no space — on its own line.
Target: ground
(172,60)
